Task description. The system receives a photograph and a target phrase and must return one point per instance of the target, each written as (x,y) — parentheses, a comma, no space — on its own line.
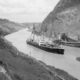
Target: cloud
(26,7)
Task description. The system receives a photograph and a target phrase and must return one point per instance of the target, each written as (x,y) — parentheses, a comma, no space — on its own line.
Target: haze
(26,10)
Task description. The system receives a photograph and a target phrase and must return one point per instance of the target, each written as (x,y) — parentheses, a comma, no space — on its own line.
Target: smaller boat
(67,41)
(46,46)
(71,44)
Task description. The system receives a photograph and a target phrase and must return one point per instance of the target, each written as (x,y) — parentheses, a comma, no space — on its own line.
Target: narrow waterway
(66,62)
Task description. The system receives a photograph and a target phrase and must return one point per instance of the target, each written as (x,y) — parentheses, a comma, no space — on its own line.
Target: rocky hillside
(15,65)
(7,27)
(65,18)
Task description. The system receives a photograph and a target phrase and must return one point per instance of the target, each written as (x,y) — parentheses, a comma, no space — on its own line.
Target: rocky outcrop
(65,18)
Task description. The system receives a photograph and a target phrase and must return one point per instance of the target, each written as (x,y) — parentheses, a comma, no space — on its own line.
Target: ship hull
(52,50)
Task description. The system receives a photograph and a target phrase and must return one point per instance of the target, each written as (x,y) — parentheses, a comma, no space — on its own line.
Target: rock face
(65,18)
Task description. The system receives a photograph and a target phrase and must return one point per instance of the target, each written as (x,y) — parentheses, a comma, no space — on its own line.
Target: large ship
(46,46)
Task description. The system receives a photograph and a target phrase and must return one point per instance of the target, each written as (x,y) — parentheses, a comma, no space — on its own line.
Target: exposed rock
(65,18)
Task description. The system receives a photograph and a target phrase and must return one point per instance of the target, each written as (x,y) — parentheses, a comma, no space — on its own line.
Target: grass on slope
(22,67)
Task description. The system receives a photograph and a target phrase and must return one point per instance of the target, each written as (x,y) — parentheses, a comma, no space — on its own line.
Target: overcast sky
(26,10)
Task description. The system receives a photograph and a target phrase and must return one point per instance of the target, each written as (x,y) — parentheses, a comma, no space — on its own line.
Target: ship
(42,44)
(46,47)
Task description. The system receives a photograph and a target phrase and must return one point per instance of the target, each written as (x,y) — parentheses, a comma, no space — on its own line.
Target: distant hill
(7,26)
(65,18)
(31,25)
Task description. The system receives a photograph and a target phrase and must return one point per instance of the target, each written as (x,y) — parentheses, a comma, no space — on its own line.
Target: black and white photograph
(39,39)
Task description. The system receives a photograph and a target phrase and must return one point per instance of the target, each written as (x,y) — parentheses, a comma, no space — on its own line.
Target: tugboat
(71,44)
(67,41)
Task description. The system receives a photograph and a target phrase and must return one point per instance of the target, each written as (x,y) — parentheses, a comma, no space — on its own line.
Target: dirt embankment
(18,66)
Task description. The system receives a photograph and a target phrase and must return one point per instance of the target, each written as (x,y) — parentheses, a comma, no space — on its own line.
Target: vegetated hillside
(65,18)
(15,65)
(7,27)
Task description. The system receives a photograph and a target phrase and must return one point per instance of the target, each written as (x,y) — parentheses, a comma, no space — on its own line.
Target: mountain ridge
(7,26)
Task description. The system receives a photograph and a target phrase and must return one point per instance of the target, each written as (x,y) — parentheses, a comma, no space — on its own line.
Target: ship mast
(33,30)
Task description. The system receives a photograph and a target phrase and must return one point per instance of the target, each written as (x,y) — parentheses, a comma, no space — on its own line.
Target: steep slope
(7,26)
(65,18)
(15,65)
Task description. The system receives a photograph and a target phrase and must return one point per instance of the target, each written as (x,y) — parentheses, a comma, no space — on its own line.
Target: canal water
(65,62)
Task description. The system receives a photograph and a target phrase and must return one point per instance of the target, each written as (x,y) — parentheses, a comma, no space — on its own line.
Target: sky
(26,10)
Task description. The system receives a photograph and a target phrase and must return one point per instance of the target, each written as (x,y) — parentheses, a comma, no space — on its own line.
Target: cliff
(65,18)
